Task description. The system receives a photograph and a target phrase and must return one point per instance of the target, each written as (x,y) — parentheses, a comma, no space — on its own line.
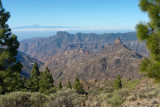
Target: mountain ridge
(111,61)
(41,48)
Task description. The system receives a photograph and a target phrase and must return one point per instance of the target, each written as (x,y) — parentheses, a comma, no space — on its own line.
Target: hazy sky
(102,14)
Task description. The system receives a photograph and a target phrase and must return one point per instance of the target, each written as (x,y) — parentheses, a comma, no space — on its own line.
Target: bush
(123,93)
(133,97)
(38,100)
(61,101)
(23,99)
(130,84)
(142,96)
(65,97)
(78,86)
(108,90)
(59,86)
(118,83)
(69,85)
(116,100)
(153,93)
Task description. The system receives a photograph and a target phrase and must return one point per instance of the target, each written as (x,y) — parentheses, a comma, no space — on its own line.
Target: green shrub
(38,100)
(118,83)
(108,90)
(113,98)
(65,97)
(69,85)
(130,84)
(78,86)
(153,93)
(133,97)
(123,93)
(15,100)
(101,89)
(116,100)
(142,96)
(23,99)
(61,101)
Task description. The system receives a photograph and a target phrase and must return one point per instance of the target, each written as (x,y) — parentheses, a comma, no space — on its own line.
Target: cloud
(68,29)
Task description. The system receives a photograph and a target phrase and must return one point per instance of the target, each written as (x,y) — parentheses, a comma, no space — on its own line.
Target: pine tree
(150,34)
(34,79)
(118,83)
(60,86)
(69,85)
(78,87)
(46,82)
(10,78)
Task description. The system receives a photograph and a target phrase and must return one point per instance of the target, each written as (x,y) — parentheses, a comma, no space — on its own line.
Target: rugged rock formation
(117,41)
(27,63)
(92,46)
(110,62)
(44,49)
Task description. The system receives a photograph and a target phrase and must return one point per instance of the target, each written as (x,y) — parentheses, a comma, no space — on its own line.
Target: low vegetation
(99,94)
(65,97)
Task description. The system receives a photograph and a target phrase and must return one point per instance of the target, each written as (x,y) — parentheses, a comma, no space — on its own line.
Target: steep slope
(107,64)
(44,48)
(27,63)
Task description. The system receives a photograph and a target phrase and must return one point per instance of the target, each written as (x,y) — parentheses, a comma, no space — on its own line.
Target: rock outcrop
(106,64)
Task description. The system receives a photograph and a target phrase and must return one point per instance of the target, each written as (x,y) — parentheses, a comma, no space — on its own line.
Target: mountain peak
(117,41)
(62,33)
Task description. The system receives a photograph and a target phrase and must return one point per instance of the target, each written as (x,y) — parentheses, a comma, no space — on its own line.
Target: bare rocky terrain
(91,56)
(111,61)
(27,63)
(44,48)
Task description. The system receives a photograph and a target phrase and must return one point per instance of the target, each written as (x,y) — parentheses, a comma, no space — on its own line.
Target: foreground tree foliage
(150,33)
(118,83)
(46,82)
(60,86)
(78,87)
(33,82)
(10,78)
(69,85)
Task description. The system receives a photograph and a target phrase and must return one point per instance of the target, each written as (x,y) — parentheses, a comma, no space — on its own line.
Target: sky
(93,14)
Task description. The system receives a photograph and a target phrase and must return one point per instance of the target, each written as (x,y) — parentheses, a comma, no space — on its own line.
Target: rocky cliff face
(92,46)
(114,60)
(27,63)
(44,48)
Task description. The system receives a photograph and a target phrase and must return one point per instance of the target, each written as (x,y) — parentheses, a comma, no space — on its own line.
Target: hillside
(106,64)
(27,63)
(44,48)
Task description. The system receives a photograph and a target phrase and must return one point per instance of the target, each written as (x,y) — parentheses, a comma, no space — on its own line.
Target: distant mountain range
(44,48)
(94,54)
(26,32)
